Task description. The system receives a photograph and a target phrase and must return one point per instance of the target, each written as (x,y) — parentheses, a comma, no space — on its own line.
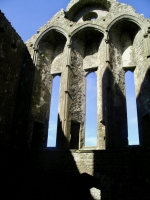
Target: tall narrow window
(91,110)
(133,135)
(53,119)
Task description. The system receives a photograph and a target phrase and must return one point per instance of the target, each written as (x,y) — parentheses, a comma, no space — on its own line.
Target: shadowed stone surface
(100,36)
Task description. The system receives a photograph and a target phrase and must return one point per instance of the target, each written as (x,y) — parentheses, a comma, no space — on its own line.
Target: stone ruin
(100,36)
(104,37)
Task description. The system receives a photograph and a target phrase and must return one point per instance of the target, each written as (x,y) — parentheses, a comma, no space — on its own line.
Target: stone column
(107,112)
(66,120)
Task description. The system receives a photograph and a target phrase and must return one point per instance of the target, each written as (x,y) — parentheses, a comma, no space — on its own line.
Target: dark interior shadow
(74,132)
(114,112)
(19,131)
(143,109)
(80,186)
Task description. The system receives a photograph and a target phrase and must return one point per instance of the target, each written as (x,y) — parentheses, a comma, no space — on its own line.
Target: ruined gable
(104,37)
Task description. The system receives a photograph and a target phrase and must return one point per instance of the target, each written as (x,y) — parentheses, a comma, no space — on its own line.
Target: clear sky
(27,16)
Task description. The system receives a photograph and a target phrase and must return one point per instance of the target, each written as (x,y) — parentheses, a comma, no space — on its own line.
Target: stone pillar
(107,118)
(66,120)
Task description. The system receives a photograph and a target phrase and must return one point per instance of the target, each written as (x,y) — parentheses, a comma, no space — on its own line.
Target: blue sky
(27,16)
(54,112)
(91,110)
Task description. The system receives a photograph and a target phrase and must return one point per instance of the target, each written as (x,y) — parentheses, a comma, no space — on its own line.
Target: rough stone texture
(101,107)
(142,91)
(50,62)
(88,41)
(118,40)
(16,71)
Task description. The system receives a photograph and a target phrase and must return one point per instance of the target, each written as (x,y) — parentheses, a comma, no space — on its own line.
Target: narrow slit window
(133,133)
(91,110)
(53,118)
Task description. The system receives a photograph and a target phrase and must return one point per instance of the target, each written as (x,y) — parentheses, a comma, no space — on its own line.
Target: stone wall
(103,45)
(73,50)
(16,75)
(142,91)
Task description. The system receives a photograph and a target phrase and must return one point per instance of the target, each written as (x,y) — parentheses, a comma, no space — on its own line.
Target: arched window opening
(91,110)
(53,118)
(90,16)
(133,133)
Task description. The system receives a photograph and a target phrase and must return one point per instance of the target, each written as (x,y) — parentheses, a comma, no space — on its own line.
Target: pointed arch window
(91,110)
(53,117)
(133,133)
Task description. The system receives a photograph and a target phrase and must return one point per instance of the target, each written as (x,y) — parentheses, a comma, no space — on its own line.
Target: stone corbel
(107,37)
(35,55)
(107,47)
(69,42)
(36,49)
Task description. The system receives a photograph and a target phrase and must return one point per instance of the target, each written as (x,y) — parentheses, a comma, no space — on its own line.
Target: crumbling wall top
(108,11)
(72,3)
(76,5)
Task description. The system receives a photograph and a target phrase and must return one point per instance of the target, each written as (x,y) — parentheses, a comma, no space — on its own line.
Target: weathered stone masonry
(104,37)
(16,76)
(100,36)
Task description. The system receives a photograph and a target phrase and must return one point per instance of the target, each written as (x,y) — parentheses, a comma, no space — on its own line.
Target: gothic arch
(76,9)
(90,26)
(58,29)
(131,18)
(50,59)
